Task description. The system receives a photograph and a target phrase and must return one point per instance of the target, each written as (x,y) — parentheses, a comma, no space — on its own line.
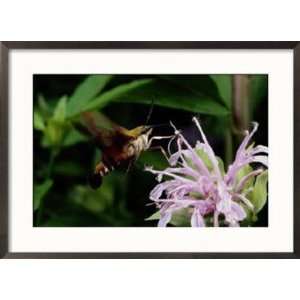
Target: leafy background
(63,157)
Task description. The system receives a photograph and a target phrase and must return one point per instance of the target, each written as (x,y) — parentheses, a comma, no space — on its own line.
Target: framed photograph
(149,150)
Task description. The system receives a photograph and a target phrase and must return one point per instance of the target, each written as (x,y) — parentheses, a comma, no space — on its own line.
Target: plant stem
(228,145)
(240,102)
(239,121)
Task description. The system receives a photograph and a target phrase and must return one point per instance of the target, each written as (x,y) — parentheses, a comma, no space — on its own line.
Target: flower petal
(173,159)
(245,201)
(159,189)
(167,173)
(195,182)
(237,212)
(197,219)
(216,218)
(261,159)
(260,149)
(199,164)
(183,171)
(244,179)
(164,219)
(208,149)
(224,204)
(246,140)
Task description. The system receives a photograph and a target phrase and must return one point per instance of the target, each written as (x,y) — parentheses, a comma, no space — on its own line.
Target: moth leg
(134,159)
(101,169)
(129,166)
(158,138)
(161,149)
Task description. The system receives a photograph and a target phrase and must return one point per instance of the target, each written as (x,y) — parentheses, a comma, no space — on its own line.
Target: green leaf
(181,218)
(260,193)
(242,173)
(164,94)
(203,155)
(59,113)
(201,85)
(51,134)
(155,216)
(93,200)
(221,165)
(56,127)
(43,107)
(223,82)
(258,89)
(107,198)
(40,191)
(87,90)
(38,122)
(54,133)
(115,93)
(73,137)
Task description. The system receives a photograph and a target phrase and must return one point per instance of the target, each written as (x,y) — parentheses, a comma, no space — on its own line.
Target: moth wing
(105,131)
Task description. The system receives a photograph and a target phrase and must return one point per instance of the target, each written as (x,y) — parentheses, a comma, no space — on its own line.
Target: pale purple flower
(203,188)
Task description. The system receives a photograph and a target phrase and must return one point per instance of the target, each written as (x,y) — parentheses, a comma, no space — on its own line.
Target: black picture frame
(6,47)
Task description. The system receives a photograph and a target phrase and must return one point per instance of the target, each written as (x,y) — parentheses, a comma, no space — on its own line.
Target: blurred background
(64,157)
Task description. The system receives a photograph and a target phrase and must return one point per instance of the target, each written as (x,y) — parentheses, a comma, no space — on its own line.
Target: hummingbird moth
(119,146)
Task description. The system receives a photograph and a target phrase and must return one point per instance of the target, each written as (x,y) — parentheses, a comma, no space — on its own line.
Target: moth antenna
(150,111)
(159,125)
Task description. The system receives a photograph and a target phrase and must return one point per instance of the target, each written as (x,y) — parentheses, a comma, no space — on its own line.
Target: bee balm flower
(197,183)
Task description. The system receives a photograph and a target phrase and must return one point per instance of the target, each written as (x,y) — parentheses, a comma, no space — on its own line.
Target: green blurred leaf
(40,191)
(201,85)
(69,168)
(164,94)
(223,82)
(154,159)
(38,122)
(87,90)
(105,198)
(73,218)
(50,133)
(59,113)
(260,193)
(73,137)
(115,93)
(258,89)
(43,107)
(181,218)
(93,200)
(56,127)
(63,221)
(54,134)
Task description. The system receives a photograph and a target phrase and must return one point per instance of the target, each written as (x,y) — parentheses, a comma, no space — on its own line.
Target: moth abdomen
(95,180)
